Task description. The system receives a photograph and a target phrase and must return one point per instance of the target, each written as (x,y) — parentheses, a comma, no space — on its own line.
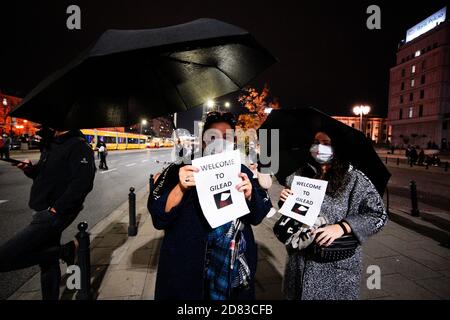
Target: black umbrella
(297,129)
(128,75)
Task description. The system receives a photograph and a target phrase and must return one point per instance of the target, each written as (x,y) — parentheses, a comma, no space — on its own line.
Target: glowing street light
(210,104)
(227,105)
(360,111)
(5,102)
(268,110)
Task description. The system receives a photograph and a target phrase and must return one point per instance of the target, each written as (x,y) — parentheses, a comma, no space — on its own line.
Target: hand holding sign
(221,187)
(186,175)
(245,186)
(304,201)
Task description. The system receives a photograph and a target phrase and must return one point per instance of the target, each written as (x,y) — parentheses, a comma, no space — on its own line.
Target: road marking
(110,170)
(130,164)
(145,160)
(3,201)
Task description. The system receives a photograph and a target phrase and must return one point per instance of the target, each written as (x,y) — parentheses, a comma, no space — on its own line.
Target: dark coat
(64,175)
(182,255)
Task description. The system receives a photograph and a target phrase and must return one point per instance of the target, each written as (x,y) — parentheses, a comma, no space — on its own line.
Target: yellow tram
(124,140)
(116,140)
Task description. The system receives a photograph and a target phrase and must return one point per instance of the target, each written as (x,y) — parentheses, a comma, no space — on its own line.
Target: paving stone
(401,288)
(439,286)
(428,259)
(123,283)
(406,267)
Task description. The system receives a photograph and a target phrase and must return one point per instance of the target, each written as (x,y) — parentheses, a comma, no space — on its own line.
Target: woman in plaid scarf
(197,262)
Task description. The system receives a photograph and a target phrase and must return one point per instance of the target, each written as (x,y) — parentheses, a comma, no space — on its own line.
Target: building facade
(419,88)
(374,128)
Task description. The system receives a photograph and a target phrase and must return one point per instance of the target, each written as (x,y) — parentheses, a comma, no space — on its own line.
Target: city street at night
(109,192)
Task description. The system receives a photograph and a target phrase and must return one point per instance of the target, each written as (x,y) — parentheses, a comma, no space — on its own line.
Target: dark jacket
(64,175)
(182,255)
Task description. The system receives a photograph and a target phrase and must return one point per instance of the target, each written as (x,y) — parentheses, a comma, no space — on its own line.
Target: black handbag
(341,248)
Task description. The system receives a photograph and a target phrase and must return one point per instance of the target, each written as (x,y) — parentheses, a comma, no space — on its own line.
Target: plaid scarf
(226,266)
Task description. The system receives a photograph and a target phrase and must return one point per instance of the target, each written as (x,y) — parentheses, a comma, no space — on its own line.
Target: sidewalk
(412,266)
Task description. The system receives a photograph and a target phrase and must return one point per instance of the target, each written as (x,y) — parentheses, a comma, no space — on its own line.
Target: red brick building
(13,126)
(419,88)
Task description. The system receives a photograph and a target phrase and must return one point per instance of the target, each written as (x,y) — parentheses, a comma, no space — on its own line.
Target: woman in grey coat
(351,205)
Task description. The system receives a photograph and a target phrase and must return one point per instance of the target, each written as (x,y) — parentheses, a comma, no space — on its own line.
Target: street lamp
(210,104)
(143,123)
(227,105)
(360,111)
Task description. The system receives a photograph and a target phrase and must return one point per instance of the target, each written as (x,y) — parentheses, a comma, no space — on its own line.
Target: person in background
(7,141)
(62,178)
(421,157)
(103,152)
(2,146)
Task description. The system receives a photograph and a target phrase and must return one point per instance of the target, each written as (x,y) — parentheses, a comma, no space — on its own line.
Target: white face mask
(321,153)
(219,145)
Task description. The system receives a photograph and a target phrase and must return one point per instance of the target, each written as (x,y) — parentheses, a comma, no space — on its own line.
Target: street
(111,188)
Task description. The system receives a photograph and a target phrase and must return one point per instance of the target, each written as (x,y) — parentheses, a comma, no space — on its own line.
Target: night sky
(328,57)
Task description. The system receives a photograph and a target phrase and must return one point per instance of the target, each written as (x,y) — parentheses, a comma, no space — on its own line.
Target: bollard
(84,262)
(398,161)
(414,205)
(150,184)
(132,228)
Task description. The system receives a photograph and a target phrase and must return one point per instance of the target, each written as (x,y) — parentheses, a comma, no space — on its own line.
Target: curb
(420,225)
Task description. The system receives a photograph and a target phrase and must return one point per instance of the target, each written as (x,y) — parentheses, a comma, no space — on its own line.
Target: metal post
(84,262)
(132,228)
(398,161)
(411,163)
(414,205)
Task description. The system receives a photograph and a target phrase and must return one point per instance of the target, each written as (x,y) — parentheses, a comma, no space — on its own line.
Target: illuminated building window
(410,112)
(417,53)
(412,83)
(413,69)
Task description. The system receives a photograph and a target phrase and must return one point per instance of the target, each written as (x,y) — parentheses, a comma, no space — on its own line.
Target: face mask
(321,153)
(46,135)
(218,146)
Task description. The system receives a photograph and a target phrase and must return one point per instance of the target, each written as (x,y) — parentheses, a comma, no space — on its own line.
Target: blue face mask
(321,153)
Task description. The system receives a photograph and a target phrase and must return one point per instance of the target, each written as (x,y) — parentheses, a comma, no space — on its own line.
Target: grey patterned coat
(361,206)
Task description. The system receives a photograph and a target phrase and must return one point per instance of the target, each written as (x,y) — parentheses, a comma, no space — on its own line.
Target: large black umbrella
(128,75)
(297,129)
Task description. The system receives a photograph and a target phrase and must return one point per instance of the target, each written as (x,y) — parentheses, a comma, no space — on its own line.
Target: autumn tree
(257,103)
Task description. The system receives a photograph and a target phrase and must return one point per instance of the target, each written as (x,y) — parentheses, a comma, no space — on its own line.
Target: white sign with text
(305,202)
(216,184)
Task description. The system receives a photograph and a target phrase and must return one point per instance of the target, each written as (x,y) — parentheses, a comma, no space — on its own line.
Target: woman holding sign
(197,261)
(325,260)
